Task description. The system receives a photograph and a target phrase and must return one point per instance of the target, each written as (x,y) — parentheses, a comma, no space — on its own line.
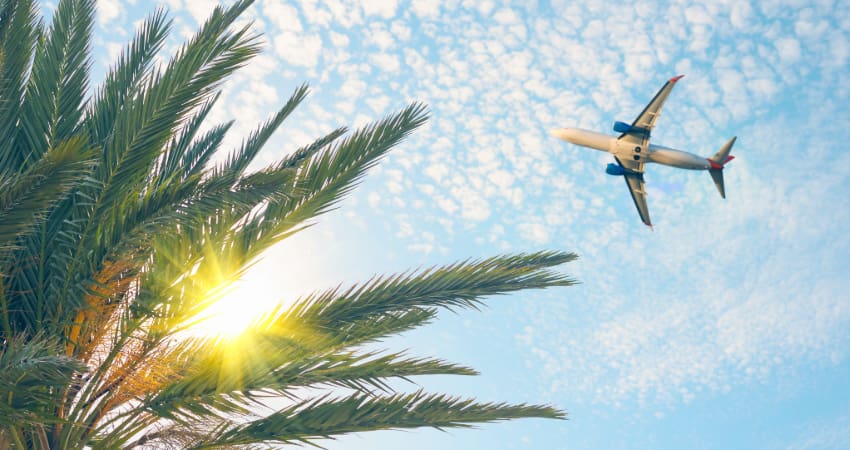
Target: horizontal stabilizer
(717,161)
(717,176)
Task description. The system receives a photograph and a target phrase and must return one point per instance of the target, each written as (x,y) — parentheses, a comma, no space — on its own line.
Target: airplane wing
(637,188)
(642,126)
(638,135)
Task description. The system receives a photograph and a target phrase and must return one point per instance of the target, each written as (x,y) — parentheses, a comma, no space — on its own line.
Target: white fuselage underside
(656,153)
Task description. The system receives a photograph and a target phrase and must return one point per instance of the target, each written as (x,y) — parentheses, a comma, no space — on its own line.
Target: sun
(241,306)
(271,283)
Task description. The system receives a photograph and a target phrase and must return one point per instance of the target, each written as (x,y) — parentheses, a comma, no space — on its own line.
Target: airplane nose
(560,133)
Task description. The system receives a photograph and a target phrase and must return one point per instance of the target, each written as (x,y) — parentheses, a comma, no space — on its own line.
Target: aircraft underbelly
(626,149)
(677,158)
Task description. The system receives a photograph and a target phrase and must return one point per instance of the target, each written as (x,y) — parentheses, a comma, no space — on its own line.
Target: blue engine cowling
(622,127)
(615,169)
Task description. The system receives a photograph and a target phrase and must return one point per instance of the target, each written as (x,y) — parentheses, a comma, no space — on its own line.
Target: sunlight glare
(241,306)
(275,279)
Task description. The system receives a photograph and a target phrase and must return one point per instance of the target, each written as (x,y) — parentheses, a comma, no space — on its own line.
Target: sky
(725,326)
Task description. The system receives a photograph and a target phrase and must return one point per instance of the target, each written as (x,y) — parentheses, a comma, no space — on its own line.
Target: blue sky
(725,327)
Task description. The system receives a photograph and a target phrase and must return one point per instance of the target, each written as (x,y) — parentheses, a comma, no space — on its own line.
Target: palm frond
(201,150)
(125,77)
(361,372)
(32,374)
(221,381)
(329,176)
(19,28)
(457,285)
(326,417)
(183,152)
(239,160)
(53,105)
(364,330)
(26,198)
(303,154)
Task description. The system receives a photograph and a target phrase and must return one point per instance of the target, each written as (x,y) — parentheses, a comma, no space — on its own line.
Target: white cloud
(315,14)
(374,200)
(446,204)
(261,66)
(114,49)
(697,14)
(400,30)
(339,39)
(108,11)
(200,9)
(789,49)
(378,104)
(741,16)
(379,36)
(824,434)
(839,50)
(536,233)
(259,93)
(300,50)
(501,178)
(284,16)
(429,9)
(174,4)
(352,88)
(385,62)
(506,16)
(382,8)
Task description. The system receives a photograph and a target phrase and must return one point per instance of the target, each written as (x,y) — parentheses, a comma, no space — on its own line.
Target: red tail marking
(715,165)
(676,78)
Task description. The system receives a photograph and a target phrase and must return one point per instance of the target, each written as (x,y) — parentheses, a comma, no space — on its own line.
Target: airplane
(631,150)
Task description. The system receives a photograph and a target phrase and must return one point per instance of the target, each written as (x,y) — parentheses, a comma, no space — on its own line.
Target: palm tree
(117,231)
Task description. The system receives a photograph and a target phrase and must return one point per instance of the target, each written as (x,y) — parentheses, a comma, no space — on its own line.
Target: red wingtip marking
(676,78)
(728,158)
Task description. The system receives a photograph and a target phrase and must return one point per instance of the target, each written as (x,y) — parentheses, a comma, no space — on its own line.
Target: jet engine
(622,127)
(615,169)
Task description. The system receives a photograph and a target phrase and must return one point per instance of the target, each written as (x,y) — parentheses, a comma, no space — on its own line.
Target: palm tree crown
(117,230)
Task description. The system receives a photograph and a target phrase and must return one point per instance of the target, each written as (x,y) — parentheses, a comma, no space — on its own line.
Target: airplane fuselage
(655,153)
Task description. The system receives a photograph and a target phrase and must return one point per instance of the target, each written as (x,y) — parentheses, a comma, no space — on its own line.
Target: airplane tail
(717,162)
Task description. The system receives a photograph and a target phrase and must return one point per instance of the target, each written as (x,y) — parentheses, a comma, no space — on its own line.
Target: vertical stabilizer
(722,155)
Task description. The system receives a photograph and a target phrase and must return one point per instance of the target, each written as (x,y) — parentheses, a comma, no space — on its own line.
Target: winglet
(676,78)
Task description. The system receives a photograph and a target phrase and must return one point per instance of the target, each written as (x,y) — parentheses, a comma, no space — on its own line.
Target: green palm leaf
(32,373)
(124,79)
(326,417)
(26,198)
(53,105)
(19,28)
